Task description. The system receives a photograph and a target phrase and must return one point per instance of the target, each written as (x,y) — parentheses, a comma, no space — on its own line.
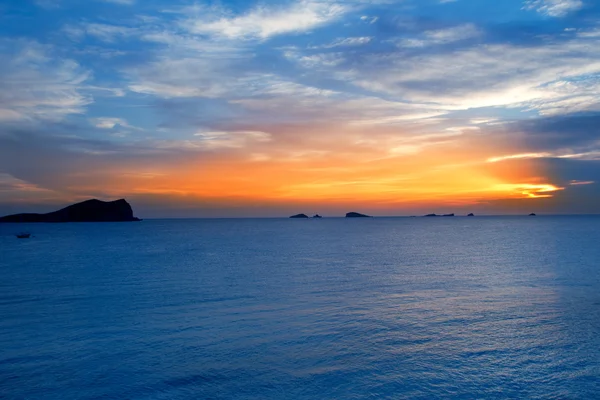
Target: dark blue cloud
(575,131)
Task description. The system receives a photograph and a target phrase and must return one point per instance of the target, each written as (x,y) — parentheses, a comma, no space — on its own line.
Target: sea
(332,308)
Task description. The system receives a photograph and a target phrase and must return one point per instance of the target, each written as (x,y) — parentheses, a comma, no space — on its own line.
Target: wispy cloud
(518,157)
(442,36)
(345,42)
(34,85)
(112,123)
(554,8)
(235,139)
(104,32)
(263,22)
(551,78)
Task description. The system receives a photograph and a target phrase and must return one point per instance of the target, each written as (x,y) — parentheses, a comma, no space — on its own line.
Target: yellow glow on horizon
(406,180)
(532,191)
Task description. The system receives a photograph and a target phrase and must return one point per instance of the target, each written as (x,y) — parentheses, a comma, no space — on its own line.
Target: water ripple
(264,309)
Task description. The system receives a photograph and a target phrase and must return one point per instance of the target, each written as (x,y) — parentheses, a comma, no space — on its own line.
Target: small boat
(23,235)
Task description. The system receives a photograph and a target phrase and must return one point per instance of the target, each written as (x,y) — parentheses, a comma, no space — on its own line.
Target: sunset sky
(243,108)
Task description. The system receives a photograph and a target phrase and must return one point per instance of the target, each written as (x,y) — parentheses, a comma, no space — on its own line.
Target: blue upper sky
(122,85)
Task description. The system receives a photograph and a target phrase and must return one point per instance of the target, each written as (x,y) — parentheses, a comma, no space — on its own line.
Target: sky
(241,108)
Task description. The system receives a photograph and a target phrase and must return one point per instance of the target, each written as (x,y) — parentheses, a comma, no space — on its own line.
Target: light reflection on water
(332,308)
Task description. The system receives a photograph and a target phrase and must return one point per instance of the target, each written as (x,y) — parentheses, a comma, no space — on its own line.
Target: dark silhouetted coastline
(87,211)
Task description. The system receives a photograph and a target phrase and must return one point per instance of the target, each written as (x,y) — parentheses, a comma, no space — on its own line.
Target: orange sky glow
(372,169)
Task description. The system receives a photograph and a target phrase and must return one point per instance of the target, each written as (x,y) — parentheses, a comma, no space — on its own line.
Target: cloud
(236,139)
(34,85)
(188,66)
(9,185)
(263,22)
(104,32)
(553,77)
(568,134)
(345,42)
(518,156)
(17,196)
(112,123)
(193,69)
(532,191)
(554,8)
(369,19)
(442,36)
(188,77)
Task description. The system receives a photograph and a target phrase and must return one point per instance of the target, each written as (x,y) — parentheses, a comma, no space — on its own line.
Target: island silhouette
(317,216)
(357,215)
(299,216)
(87,211)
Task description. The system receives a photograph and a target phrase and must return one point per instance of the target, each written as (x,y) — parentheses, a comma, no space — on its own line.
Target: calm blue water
(418,308)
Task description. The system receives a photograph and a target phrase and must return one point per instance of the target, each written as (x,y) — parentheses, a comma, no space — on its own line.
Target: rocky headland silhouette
(87,211)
